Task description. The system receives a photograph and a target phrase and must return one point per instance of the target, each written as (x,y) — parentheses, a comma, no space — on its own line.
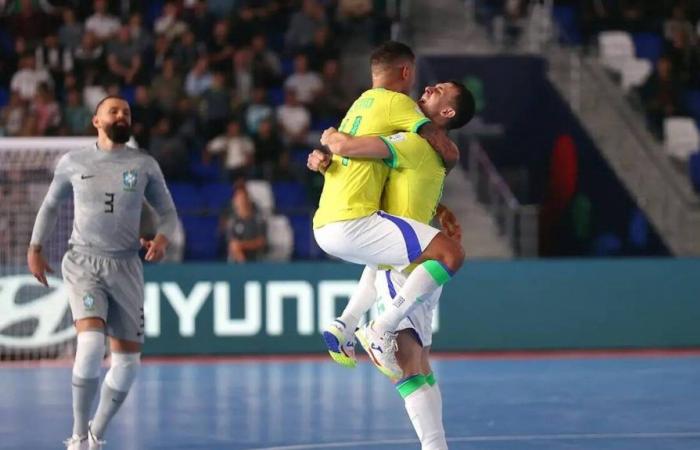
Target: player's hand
(38,265)
(448,222)
(155,248)
(318,161)
(327,134)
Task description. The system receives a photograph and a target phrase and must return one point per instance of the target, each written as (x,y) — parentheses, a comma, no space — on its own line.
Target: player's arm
(354,146)
(59,189)
(159,197)
(442,144)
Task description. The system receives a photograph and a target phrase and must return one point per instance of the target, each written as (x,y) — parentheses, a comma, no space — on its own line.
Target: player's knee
(89,354)
(123,371)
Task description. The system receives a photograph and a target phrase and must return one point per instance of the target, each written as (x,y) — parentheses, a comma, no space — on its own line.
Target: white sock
(420,406)
(436,401)
(424,279)
(361,300)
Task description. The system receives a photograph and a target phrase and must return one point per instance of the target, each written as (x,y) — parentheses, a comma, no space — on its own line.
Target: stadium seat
(692,104)
(648,46)
(276,96)
(280,238)
(615,47)
(567,22)
(186,197)
(287,66)
(680,137)
(322,124)
(261,194)
(289,196)
(635,72)
(607,244)
(216,196)
(638,230)
(304,243)
(694,168)
(201,237)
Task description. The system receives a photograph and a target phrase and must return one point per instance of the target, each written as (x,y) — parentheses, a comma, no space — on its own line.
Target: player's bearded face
(119,131)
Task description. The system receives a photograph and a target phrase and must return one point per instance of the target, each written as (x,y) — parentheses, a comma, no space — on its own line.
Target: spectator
(243,74)
(186,52)
(168,24)
(46,111)
(303,25)
(142,39)
(71,32)
(76,117)
(244,26)
(144,115)
(294,120)
(184,120)
(661,95)
(102,24)
(322,49)
(334,99)
(26,20)
(124,58)
(89,56)
(12,116)
(245,229)
(162,50)
(215,106)
(167,87)
(305,83)
(268,148)
(266,64)
(200,20)
(52,57)
(199,79)
(238,148)
(219,48)
(683,56)
(169,151)
(679,24)
(284,170)
(10,60)
(258,110)
(27,79)
(93,91)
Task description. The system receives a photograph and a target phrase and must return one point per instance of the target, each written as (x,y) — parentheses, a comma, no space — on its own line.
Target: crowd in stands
(220,90)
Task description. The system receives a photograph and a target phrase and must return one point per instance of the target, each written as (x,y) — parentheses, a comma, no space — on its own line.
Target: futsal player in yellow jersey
(413,191)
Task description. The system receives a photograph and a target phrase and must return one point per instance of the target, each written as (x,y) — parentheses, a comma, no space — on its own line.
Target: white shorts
(377,239)
(420,320)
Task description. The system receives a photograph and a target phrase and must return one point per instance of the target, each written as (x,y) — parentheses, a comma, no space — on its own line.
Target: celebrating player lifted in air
(349,224)
(102,271)
(412,190)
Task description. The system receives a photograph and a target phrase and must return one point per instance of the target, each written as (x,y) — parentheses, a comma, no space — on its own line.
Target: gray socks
(84,391)
(110,402)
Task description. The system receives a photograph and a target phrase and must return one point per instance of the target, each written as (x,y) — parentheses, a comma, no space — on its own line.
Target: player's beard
(118,133)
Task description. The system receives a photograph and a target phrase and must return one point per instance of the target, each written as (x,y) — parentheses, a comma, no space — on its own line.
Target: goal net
(35,322)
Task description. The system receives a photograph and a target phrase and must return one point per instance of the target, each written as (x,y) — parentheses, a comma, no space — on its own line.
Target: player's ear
(448,112)
(94,121)
(405,72)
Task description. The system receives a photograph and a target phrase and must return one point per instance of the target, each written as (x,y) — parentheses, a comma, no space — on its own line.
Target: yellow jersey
(416,179)
(353,186)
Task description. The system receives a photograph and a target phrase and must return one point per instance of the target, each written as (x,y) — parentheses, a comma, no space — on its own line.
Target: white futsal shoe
(381,349)
(76,442)
(93,441)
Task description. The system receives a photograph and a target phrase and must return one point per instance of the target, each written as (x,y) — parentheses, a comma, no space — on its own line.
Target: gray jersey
(108,188)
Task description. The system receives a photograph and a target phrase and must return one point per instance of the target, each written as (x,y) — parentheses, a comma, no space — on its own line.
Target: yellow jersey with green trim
(416,180)
(353,186)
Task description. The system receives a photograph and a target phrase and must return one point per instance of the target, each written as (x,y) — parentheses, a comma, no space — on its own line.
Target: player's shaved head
(389,55)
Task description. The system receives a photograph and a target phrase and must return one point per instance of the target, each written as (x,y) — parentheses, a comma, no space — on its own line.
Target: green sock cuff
(430,379)
(410,385)
(437,271)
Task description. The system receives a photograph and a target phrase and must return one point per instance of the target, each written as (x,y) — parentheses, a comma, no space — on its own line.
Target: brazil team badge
(89,302)
(130,178)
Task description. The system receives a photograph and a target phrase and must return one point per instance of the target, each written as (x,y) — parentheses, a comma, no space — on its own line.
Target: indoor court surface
(644,401)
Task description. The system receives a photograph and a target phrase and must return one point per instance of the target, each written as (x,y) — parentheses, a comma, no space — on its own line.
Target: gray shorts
(107,288)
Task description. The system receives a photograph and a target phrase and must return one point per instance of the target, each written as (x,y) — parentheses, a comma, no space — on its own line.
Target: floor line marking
(497,438)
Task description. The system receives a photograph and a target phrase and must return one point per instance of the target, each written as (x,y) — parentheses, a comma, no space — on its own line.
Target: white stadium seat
(261,194)
(681,138)
(615,48)
(280,238)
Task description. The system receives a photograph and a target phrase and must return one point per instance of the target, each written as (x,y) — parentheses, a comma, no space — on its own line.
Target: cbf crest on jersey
(130,178)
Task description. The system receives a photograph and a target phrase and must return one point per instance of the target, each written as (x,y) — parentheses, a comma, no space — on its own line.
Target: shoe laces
(73,439)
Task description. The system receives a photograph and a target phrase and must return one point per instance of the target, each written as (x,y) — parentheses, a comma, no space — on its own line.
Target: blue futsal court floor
(583,402)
